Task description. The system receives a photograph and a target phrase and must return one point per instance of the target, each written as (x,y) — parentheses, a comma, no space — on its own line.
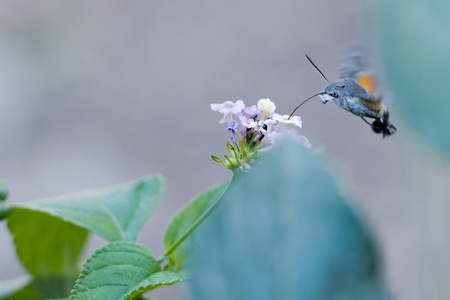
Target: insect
(355,92)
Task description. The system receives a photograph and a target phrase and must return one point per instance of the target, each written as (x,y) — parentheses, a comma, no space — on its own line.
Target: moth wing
(368,82)
(355,64)
(362,89)
(372,101)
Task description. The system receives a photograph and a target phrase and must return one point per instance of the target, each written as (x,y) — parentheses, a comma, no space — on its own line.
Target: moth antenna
(310,60)
(321,93)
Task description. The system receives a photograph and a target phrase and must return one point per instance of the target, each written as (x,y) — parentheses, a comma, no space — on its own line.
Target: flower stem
(199,221)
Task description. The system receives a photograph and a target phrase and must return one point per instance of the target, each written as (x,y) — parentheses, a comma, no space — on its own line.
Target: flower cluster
(254,130)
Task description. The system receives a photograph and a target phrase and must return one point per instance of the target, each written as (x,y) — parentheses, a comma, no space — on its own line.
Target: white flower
(254,130)
(249,123)
(229,109)
(266,106)
(269,123)
(294,120)
(251,111)
(275,137)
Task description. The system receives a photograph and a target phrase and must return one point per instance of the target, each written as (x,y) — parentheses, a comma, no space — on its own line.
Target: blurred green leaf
(141,297)
(416,53)
(115,213)
(26,292)
(11,286)
(48,247)
(120,270)
(183,220)
(43,289)
(284,231)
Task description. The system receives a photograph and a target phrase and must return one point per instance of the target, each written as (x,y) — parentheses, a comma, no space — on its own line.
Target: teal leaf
(183,220)
(284,231)
(115,213)
(415,49)
(120,270)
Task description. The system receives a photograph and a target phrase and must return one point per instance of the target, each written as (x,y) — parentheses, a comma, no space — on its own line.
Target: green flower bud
(3,192)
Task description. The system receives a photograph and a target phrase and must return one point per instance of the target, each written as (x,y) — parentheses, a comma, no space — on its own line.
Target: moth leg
(366,121)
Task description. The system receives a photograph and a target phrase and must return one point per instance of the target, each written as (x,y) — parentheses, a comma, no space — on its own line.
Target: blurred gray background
(98,93)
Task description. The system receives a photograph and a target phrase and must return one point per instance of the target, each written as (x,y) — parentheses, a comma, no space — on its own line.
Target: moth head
(335,89)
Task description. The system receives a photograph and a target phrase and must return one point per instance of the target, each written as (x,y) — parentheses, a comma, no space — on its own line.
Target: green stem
(199,221)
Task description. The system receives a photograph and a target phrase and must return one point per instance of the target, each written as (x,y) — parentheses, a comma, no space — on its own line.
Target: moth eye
(340,86)
(335,94)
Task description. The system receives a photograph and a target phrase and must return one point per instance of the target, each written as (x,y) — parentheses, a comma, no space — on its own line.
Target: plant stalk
(199,221)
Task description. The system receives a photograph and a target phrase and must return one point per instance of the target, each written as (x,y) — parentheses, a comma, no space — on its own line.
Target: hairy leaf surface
(120,270)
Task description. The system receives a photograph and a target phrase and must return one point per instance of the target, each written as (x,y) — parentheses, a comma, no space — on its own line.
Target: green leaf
(416,51)
(41,289)
(46,245)
(284,231)
(120,270)
(141,297)
(115,213)
(9,287)
(29,291)
(183,220)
